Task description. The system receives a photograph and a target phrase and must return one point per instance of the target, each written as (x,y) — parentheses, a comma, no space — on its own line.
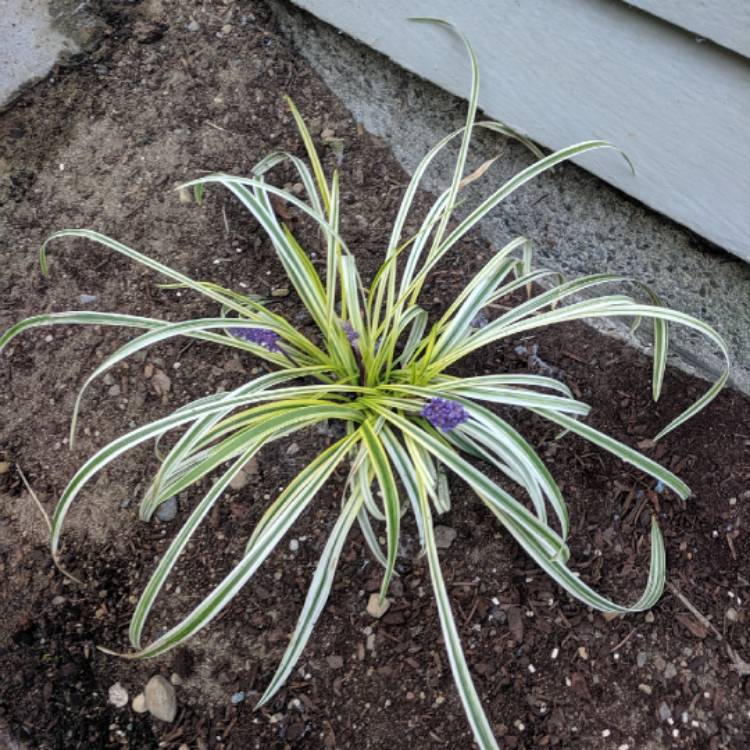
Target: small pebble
(239,480)
(87,299)
(376,608)
(4,467)
(58,600)
(293,545)
(281,291)
(114,390)
(292,450)
(731,614)
(193,26)
(583,652)
(444,536)
(168,510)
(161,699)
(118,696)
(335,661)
(665,712)
(161,382)
(139,704)
(670,671)
(237,697)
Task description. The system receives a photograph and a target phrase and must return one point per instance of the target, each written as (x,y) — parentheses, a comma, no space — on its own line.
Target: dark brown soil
(100,145)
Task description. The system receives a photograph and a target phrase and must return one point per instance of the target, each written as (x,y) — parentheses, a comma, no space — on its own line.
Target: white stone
(376,608)
(118,696)
(161,700)
(139,704)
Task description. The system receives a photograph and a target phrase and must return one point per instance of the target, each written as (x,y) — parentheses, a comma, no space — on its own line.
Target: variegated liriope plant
(380,365)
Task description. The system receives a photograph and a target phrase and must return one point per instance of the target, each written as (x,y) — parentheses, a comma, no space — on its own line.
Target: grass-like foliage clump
(381,366)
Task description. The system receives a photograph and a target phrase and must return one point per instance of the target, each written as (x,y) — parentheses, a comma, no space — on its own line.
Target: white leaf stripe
(296,497)
(171,465)
(406,472)
(616,448)
(450,382)
(460,670)
(498,395)
(622,307)
(169,330)
(564,577)
(363,518)
(143,260)
(478,481)
(364,478)
(78,318)
(280,418)
(382,468)
(307,179)
(312,154)
(168,560)
(306,283)
(317,595)
(124,443)
(513,184)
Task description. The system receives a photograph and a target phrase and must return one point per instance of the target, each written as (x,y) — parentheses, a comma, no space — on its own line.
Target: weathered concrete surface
(579,224)
(35,35)
(30,45)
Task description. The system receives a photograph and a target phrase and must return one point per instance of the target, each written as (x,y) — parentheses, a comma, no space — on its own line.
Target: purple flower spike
(260,336)
(445,414)
(351,334)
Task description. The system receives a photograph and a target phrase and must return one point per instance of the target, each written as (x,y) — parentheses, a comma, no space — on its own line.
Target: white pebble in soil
(292,450)
(118,696)
(376,608)
(161,699)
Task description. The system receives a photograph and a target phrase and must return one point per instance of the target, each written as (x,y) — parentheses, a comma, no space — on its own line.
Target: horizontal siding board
(570,70)
(726,22)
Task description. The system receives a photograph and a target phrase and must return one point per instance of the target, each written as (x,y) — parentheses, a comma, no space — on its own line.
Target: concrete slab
(579,224)
(31,45)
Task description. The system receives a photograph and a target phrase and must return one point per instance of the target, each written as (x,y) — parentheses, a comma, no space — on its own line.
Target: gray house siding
(563,71)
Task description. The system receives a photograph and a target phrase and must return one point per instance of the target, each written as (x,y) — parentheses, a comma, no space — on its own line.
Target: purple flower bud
(260,336)
(444,414)
(351,334)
